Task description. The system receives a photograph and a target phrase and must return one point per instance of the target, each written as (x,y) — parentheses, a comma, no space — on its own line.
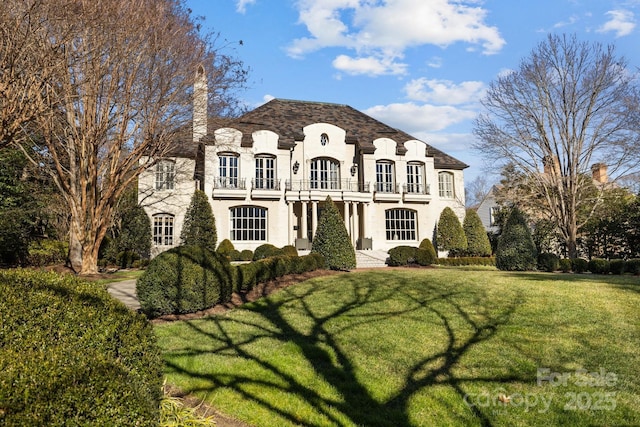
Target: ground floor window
(249,223)
(163,229)
(400,224)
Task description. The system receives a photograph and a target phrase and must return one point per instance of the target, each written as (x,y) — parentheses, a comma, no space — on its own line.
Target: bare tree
(477,190)
(118,96)
(569,105)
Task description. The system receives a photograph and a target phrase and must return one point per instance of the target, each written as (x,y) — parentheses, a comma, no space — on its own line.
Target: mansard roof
(287,118)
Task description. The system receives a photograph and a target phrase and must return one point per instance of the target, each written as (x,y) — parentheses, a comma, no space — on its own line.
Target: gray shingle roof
(287,118)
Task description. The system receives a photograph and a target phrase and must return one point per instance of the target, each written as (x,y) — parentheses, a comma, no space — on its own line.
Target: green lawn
(420,348)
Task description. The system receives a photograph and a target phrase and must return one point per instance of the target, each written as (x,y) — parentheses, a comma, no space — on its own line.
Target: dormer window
(324,139)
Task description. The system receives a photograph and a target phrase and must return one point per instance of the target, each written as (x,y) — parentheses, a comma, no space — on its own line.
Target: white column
(356,226)
(291,222)
(365,207)
(314,218)
(346,218)
(303,220)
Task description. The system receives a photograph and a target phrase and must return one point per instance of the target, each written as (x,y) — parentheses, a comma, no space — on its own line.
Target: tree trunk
(83,257)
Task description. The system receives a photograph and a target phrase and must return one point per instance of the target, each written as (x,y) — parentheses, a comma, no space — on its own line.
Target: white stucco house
(268,173)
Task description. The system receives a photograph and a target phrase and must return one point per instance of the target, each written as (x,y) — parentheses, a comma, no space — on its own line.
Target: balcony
(229,188)
(419,193)
(265,188)
(338,189)
(387,192)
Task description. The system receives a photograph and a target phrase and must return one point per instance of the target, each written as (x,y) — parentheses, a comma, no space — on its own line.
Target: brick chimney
(599,172)
(200,102)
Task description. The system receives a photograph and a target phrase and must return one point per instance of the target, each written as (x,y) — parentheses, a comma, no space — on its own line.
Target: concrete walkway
(125,291)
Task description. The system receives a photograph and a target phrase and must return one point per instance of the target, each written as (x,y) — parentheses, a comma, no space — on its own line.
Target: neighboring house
(488,209)
(268,173)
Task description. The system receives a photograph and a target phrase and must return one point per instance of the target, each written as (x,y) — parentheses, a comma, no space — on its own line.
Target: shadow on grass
(322,346)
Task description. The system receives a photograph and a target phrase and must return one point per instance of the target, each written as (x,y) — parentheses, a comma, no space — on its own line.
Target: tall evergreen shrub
(332,240)
(477,240)
(516,249)
(449,234)
(199,227)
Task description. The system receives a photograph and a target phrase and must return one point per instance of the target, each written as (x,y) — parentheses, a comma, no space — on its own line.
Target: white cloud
(572,20)
(413,118)
(622,22)
(444,91)
(387,28)
(241,5)
(435,62)
(368,65)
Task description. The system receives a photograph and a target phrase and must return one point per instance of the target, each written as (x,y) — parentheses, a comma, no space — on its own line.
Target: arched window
(163,229)
(248,223)
(227,170)
(265,172)
(445,185)
(385,177)
(415,178)
(401,224)
(165,175)
(325,174)
(324,139)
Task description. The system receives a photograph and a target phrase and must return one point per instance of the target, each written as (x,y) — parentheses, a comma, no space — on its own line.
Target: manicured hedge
(401,255)
(548,262)
(457,262)
(265,251)
(249,275)
(579,265)
(70,354)
(184,279)
(598,266)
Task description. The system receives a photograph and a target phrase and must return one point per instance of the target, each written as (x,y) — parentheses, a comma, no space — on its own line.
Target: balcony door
(325,174)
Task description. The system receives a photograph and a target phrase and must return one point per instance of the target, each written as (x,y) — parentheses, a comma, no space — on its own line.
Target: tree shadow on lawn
(322,346)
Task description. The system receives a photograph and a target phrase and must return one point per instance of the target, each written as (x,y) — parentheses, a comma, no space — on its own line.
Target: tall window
(385,182)
(228,170)
(400,224)
(493,215)
(445,185)
(325,174)
(265,172)
(415,178)
(249,223)
(165,175)
(163,230)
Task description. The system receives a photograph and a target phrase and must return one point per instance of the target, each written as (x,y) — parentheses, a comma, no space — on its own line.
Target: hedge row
(550,262)
(187,279)
(263,251)
(456,262)
(70,354)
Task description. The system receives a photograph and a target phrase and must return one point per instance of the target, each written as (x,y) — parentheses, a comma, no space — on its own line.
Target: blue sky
(418,65)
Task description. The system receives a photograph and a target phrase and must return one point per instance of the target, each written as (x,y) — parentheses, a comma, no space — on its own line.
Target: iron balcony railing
(230,183)
(330,184)
(416,189)
(265,184)
(387,187)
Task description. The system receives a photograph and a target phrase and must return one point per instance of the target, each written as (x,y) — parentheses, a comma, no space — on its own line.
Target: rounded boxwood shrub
(401,255)
(289,250)
(246,255)
(225,247)
(431,251)
(424,257)
(617,266)
(598,266)
(516,250)
(184,279)
(579,265)
(265,251)
(71,354)
(548,262)
(565,265)
(633,266)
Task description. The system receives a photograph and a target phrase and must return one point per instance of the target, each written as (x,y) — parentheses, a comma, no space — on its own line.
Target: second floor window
(445,185)
(165,175)
(325,174)
(415,178)
(228,170)
(265,172)
(385,181)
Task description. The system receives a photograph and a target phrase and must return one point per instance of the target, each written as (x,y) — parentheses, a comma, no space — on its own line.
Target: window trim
(226,177)
(446,188)
(245,231)
(266,182)
(414,187)
(163,238)
(405,226)
(385,185)
(165,169)
(324,178)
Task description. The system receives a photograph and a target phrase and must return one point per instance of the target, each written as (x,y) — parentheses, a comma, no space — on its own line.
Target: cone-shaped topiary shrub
(516,249)
(431,256)
(477,240)
(332,240)
(450,235)
(199,227)
(184,279)
(71,354)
